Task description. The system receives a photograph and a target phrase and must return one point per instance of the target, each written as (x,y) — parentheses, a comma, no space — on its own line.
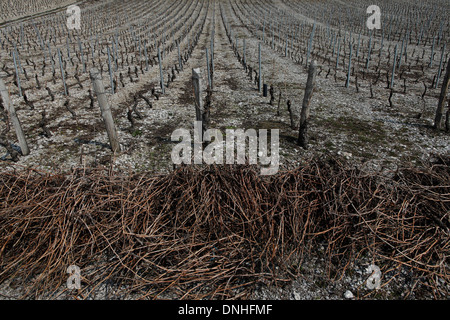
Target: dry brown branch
(216,231)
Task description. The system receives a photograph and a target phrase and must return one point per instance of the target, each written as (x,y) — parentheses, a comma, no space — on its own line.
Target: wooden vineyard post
(14,119)
(440,67)
(160,71)
(50,54)
(368,53)
(393,67)
(286,47)
(432,53)
(22,70)
(115,55)
(308,52)
(212,61)
(110,70)
(62,72)
(21,34)
(68,49)
(357,48)
(17,74)
(338,53)
(401,54)
(243,53)
(199,109)
(334,44)
(80,47)
(196,83)
(179,57)
(310,42)
(259,70)
(92,45)
(146,56)
(105,109)
(310,83)
(349,67)
(442,99)
(140,48)
(207,67)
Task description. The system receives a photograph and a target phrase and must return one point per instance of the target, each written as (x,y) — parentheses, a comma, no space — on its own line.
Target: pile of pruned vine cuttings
(215,232)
